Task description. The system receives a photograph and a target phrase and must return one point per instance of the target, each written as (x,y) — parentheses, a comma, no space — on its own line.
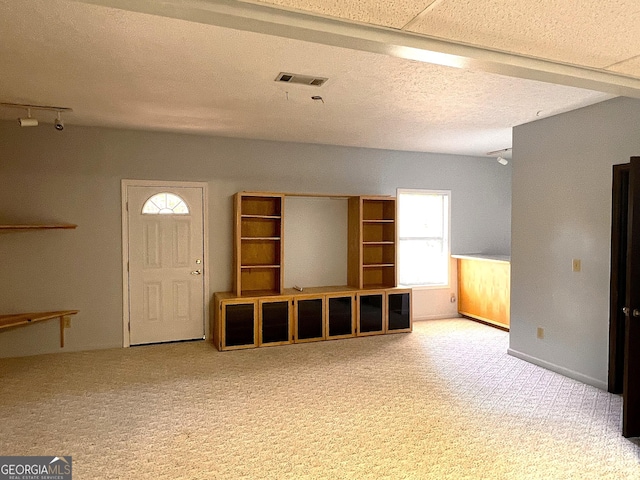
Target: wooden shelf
(264,217)
(51,226)
(21,319)
(248,239)
(259,266)
(258,242)
(372,242)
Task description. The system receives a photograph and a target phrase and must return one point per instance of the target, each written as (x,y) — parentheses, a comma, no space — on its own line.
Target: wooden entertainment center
(261,312)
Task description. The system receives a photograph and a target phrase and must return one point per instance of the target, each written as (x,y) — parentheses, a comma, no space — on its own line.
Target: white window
(423,237)
(165,204)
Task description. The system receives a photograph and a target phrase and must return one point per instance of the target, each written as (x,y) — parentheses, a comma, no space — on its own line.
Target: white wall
(74,176)
(562,210)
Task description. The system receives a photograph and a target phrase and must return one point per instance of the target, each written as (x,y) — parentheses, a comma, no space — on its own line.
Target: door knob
(625,310)
(636,312)
(196,272)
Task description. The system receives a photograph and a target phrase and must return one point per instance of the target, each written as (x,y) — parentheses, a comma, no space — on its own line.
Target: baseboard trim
(558,369)
(442,316)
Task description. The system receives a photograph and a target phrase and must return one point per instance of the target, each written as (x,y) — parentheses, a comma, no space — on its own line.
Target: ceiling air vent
(301,79)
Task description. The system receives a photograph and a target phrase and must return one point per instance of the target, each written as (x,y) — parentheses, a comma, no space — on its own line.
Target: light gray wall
(74,176)
(317,225)
(561,211)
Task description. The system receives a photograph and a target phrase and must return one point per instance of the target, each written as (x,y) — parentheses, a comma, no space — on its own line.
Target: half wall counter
(484,288)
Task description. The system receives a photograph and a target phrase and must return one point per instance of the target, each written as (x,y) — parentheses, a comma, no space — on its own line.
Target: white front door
(166,263)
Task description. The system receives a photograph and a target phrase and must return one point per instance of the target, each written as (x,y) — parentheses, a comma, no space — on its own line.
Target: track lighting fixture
(58,123)
(28,121)
(498,154)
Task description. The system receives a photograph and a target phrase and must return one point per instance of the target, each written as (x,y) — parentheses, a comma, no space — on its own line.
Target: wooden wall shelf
(51,226)
(22,319)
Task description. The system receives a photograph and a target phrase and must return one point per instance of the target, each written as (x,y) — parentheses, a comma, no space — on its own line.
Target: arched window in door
(165,204)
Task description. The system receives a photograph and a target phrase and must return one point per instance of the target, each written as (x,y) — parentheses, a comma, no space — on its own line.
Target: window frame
(425,191)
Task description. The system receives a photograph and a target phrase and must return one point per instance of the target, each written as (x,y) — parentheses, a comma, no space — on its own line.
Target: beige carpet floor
(443,402)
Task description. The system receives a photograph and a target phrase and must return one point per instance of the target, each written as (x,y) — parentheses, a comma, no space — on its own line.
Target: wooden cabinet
(399,313)
(309,318)
(371,312)
(484,288)
(341,314)
(372,242)
(235,323)
(275,321)
(258,246)
(251,322)
(323,313)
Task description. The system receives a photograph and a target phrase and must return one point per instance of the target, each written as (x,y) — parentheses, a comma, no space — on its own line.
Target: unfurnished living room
(302,239)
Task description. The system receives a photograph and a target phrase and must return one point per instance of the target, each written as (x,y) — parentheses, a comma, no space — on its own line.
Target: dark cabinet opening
(371,313)
(275,322)
(340,316)
(310,319)
(399,311)
(239,324)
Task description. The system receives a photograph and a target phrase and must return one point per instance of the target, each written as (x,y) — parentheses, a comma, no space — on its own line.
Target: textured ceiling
(192,68)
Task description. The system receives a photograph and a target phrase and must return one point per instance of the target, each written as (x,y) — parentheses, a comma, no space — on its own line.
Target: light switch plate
(575,265)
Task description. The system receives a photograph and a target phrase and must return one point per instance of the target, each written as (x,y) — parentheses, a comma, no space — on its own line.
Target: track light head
(28,122)
(59,124)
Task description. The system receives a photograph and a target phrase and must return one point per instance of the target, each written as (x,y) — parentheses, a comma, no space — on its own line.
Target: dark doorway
(624,317)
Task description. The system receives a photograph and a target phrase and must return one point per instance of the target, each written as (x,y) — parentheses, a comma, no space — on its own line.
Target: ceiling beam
(339,33)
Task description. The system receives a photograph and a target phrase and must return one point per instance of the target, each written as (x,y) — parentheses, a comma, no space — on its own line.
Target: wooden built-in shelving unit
(372,242)
(260,312)
(258,243)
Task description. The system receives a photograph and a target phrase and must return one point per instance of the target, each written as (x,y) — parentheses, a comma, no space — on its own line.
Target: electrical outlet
(575,265)
(540,333)
(67,322)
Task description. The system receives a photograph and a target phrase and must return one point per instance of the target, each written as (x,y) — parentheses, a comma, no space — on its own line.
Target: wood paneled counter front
(484,288)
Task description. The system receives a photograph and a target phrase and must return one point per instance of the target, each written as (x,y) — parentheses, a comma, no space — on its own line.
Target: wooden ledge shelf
(52,226)
(21,319)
